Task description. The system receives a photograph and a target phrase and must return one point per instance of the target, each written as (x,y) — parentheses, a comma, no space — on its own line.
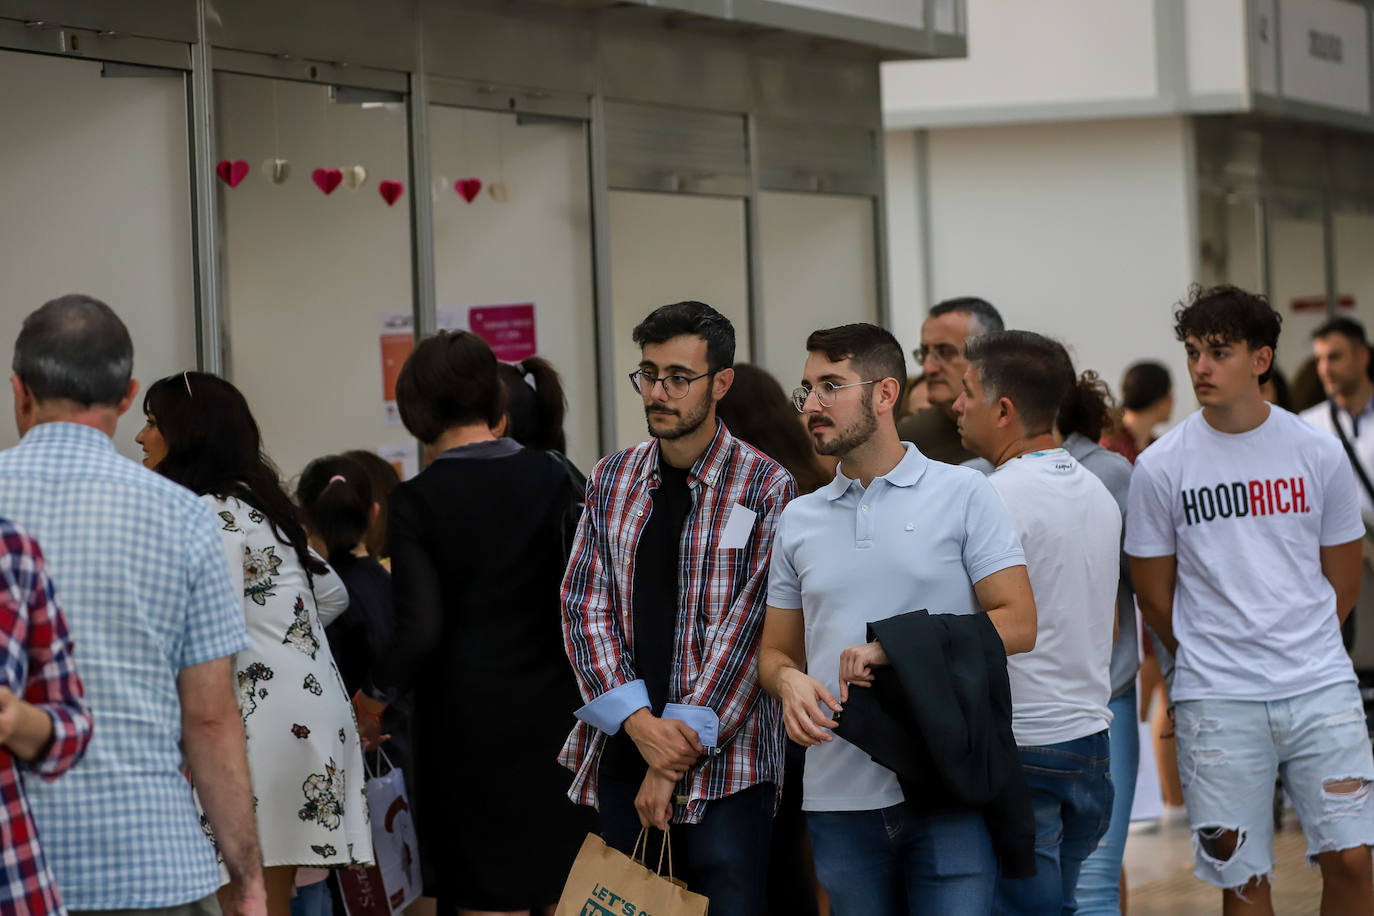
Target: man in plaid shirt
(47,731)
(663,606)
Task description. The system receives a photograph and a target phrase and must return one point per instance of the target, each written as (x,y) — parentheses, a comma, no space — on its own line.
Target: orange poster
(397,336)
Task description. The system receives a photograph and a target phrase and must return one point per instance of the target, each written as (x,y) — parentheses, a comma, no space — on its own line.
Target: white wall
(1053,59)
(1299,270)
(1216,46)
(1047,51)
(1080,231)
(668,248)
(1354,266)
(905,255)
(306,275)
(534,247)
(818,265)
(95,192)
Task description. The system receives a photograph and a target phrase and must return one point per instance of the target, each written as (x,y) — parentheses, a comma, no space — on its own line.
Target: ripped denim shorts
(1229,752)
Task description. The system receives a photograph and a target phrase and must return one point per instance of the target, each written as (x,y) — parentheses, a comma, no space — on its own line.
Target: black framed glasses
(825,393)
(675,386)
(943,353)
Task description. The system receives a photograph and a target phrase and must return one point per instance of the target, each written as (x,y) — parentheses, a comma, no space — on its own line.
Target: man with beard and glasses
(894,532)
(663,606)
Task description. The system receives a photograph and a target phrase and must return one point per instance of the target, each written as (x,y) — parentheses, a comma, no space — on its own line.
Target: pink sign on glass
(509,329)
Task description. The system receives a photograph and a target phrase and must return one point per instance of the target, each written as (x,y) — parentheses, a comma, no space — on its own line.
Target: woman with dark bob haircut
(476,568)
(303,748)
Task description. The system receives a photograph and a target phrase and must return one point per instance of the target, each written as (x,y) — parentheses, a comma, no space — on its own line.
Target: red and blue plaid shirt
(36,660)
(720,611)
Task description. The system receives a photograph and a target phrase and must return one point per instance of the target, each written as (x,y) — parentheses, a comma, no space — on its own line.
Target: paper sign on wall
(396,332)
(509,329)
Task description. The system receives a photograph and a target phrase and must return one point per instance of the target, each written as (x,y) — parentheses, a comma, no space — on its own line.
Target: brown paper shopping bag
(605,882)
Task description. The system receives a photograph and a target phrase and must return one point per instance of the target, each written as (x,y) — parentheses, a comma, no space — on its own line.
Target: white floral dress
(303,749)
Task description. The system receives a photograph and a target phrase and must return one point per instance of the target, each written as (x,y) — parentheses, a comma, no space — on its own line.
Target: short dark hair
(1029,369)
(980,310)
(871,350)
(1348,328)
(1145,384)
(449,380)
(75,348)
(690,317)
(1228,314)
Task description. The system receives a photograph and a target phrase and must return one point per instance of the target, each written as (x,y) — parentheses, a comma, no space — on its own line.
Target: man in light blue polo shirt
(894,532)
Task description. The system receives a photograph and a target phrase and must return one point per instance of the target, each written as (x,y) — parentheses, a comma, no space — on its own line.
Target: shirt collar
(905,474)
(68,434)
(707,469)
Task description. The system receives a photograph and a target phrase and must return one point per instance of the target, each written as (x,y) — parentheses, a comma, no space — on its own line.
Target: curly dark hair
(1227,315)
(1088,408)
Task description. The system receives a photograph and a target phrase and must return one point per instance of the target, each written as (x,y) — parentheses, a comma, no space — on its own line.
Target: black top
(362,629)
(654,608)
(939,716)
(476,567)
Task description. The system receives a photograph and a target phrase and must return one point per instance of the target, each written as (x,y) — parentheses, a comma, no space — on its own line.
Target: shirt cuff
(608,711)
(702,719)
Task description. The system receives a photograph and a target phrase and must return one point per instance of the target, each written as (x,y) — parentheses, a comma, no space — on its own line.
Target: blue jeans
(897,861)
(1071,793)
(725,857)
(1099,887)
(313,900)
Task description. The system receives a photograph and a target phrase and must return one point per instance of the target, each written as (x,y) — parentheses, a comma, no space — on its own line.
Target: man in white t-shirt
(1070,529)
(1243,530)
(895,531)
(1342,354)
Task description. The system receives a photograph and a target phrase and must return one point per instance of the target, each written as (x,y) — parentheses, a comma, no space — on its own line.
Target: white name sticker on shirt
(737,528)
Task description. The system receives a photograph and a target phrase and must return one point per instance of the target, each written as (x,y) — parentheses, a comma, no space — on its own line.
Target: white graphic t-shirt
(1246,515)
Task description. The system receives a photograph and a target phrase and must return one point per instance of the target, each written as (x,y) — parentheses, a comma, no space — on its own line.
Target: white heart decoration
(276,170)
(353,176)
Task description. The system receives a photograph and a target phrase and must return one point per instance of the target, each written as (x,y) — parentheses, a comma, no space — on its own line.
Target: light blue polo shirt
(918,537)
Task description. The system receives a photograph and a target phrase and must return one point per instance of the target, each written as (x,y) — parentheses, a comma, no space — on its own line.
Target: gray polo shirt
(918,537)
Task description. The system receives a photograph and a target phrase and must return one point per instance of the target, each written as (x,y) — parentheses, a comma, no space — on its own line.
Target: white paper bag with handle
(393,882)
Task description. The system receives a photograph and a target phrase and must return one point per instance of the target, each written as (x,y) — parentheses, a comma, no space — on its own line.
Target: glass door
(316,261)
(96,187)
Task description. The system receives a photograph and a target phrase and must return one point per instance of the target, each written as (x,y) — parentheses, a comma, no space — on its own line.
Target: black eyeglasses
(676,386)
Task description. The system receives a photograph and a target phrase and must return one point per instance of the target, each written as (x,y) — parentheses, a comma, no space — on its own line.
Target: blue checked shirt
(146,591)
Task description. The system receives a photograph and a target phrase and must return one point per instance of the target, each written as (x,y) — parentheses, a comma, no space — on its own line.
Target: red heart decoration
(231,173)
(468,188)
(390,191)
(326,179)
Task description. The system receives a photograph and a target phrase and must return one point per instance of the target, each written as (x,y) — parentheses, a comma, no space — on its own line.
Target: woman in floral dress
(303,748)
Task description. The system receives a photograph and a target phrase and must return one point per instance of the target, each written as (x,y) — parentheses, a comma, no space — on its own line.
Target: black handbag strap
(1350,451)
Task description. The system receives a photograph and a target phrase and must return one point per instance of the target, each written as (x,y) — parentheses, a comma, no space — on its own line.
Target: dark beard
(686,425)
(856,434)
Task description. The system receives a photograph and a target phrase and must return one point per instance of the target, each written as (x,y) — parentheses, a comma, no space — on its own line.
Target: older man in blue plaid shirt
(151,607)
